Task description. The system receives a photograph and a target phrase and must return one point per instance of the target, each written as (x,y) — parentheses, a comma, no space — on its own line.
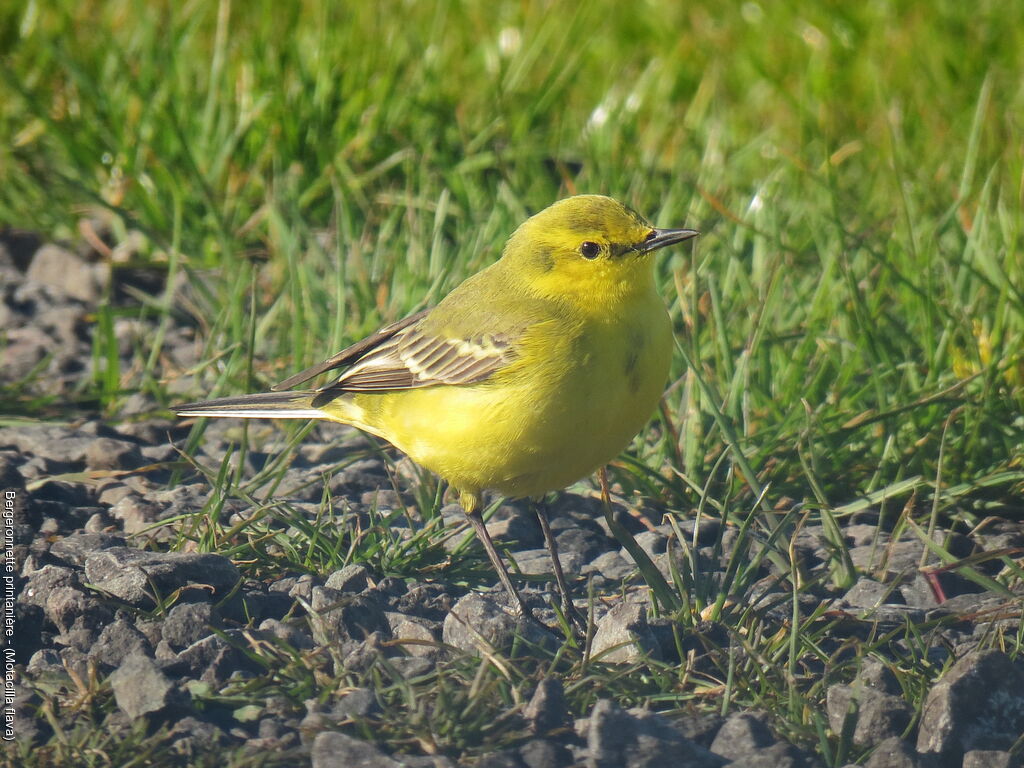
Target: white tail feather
(270,413)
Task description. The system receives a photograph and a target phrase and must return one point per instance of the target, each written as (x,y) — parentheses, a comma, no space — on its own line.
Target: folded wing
(406,355)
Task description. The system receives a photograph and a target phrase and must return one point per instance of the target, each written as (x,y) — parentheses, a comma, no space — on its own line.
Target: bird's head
(588,247)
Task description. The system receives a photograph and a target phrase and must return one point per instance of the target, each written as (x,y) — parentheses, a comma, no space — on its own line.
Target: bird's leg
(540,508)
(471,506)
(602,479)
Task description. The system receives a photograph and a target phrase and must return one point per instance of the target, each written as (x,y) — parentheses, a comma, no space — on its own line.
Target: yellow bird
(528,376)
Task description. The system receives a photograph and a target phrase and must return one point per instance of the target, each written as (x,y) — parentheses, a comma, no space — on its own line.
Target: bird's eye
(590,250)
(651,236)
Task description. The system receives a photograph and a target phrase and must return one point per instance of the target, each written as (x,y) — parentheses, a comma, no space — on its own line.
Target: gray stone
(652,542)
(252,603)
(674,561)
(611,565)
(138,516)
(541,753)
(967,606)
(878,676)
(780,755)
(980,758)
(357,702)
(67,272)
(618,738)
(918,592)
(153,454)
(410,667)
(338,616)
(876,715)
(863,535)
(109,453)
(186,624)
(868,594)
(698,727)
(140,688)
(426,761)
(624,635)
(477,623)
(977,705)
(430,601)
(895,753)
(269,728)
(585,542)
(28,726)
(62,445)
(45,661)
(76,547)
(352,578)
(417,631)
(23,352)
(511,524)
(505,758)
(63,325)
(99,522)
(10,477)
(210,659)
(296,637)
(133,575)
(75,662)
(707,529)
(538,561)
(191,496)
(111,492)
(150,628)
(117,642)
(999,533)
(302,588)
(28,636)
(892,613)
(547,709)
(337,750)
(893,560)
(193,737)
(43,581)
(78,636)
(66,605)
(741,734)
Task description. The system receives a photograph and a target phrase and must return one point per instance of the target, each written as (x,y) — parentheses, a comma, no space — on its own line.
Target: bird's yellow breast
(581,389)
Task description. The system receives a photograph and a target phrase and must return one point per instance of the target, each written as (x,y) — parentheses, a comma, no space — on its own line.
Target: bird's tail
(269,405)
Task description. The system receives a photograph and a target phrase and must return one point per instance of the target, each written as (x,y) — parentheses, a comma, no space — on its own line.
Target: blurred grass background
(853,308)
(850,323)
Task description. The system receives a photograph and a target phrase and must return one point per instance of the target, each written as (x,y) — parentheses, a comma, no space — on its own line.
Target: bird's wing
(410,354)
(351,354)
(415,357)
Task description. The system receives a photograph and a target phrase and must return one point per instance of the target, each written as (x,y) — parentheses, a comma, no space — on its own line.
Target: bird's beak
(660,238)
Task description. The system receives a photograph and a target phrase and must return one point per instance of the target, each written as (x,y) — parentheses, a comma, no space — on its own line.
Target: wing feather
(408,355)
(420,359)
(350,354)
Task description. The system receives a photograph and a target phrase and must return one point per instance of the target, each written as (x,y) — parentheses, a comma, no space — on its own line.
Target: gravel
(142,578)
(108,587)
(479,623)
(336,750)
(624,634)
(876,715)
(978,705)
(618,738)
(141,688)
(547,709)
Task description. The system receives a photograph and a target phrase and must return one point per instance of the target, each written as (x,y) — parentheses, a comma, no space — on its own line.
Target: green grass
(849,325)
